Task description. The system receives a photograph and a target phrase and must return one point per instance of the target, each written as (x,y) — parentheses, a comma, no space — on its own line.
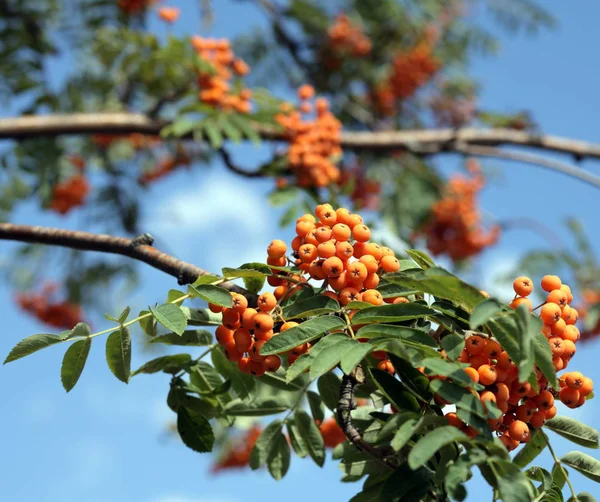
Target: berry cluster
(312,143)
(523,407)
(169,14)
(237,455)
(69,194)
(245,330)
(454,227)
(164,167)
(344,37)
(410,71)
(59,314)
(214,84)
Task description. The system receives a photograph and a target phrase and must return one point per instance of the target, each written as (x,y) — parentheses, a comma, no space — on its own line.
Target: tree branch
(138,248)
(232,166)
(344,408)
(418,141)
(528,158)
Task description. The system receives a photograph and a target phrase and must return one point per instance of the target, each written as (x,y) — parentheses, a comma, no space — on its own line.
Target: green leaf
(484,311)
(169,364)
(245,126)
(304,332)
(511,482)
(559,475)
(406,485)
(314,306)
(212,294)
(329,389)
(428,445)
(118,353)
(259,407)
(174,294)
(171,317)
(254,284)
(543,359)
(230,131)
(394,390)
(284,195)
(201,317)
(584,464)
(205,279)
(530,325)
(574,431)
(353,357)
(392,313)
(74,362)
(298,442)
(454,370)
(247,270)
(440,283)
(453,345)
(330,357)
(422,259)
(532,449)
(192,338)
(264,444)
(122,317)
(278,461)
(401,332)
(213,134)
(195,430)
(541,475)
(316,405)
(148,324)
(32,344)
(312,436)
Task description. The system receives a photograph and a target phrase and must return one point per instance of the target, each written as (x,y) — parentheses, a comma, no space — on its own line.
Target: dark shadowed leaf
(312,436)
(170,364)
(195,430)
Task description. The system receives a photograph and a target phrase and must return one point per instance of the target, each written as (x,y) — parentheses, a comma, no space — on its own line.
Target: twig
(344,408)
(228,161)
(528,158)
(186,273)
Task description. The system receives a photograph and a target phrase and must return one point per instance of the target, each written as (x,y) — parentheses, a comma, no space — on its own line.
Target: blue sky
(107,442)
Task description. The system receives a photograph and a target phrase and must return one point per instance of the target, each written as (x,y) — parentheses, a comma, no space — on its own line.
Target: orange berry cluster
(312,143)
(245,330)
(410,71)
(345,37)
(454,227)
(522,406)
(238,454)
(59,314)
(331,432)
(169,14)
(164,167)
(215,89)
(69,194)
(135,6)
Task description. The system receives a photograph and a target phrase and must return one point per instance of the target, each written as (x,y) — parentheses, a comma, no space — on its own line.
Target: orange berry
(287,325)
(569,396)
(356,272)
(475,345)
(400,299)
(473,374)
(454,420)
(557,296)
(223,334)
(267,301)
(570,333)
(247,318)
(556,344)
(523,286)
(487,374)
(551,413)
(573,318)
(477,361)
(374,250)
(215,308)
(567,290)
(570,349)
(326,214)
(558,328)
(550,313)
(243,340)
(333,266)
(372,296)
(518,430)
(587,387)
(574,379)
(545,400)
(558,363)
(263,322)
(255,351)
(272,363)
(340,282)
(348,295)
(341,232)
(304,227)
(306,92)
(492,349)
(390,264)
(231,353)
(307,253)
(504,360)
(323,234)
(386,366)
(231,319)
(276,249)
(326,249)
(354,220)
(523,413)
(344,250)
(551,282)
(257,368)
(509,442)
(240,303)
(263,335)
(361,233)
(502,391)
(244,364)
(518,301)
(537,419)
(279,293)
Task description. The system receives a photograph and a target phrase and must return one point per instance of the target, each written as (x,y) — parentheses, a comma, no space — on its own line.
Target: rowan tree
(337,340)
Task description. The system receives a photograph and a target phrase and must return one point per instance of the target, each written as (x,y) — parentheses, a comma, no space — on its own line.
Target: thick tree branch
(419,141)
(233,167)
(138,248)
(344,408)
